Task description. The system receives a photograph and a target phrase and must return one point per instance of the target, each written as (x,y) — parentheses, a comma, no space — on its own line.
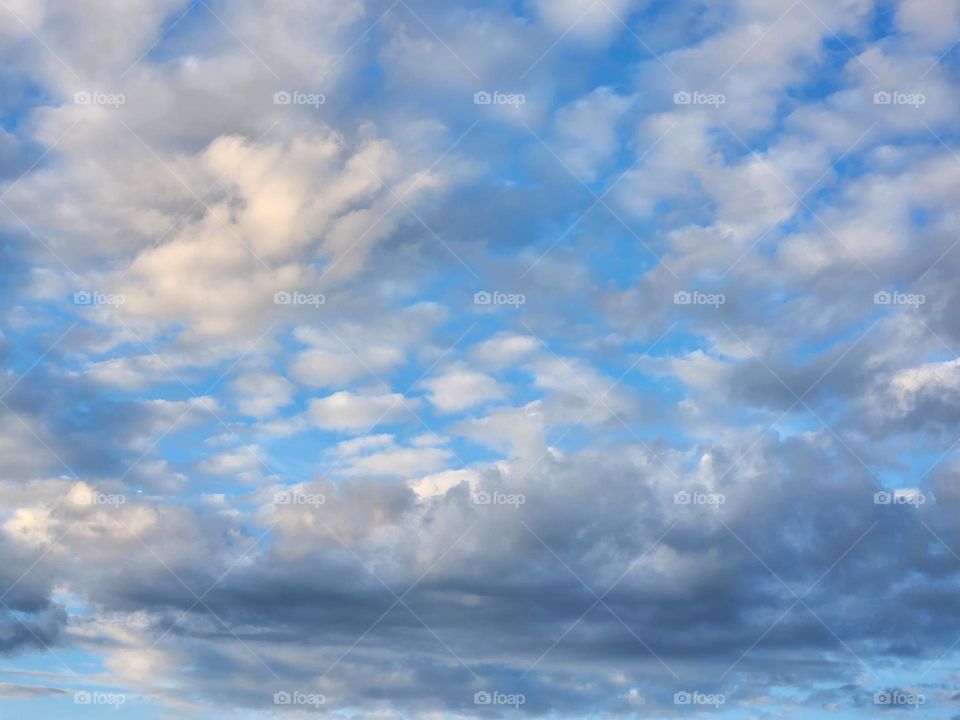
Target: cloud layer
(464,359)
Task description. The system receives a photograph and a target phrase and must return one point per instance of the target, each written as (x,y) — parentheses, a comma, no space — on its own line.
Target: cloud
(346,411)
(503,350)
(457,389)
(585,21)
(353,350)
(258,436)
(243,462)
(262,394)
(587,131)
(12,690)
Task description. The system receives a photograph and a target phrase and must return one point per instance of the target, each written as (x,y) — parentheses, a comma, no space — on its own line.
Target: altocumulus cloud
(430,358)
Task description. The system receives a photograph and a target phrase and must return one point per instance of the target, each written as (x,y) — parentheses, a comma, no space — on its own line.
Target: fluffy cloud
(457,389)
(258,436)
(347,411)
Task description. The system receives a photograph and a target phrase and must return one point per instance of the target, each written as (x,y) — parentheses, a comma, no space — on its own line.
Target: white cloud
(587,131)
(242,462)
(347,411)
(262,394)
(359,445)
(459,388)
(350,350)
(931,21)
(400,461)
(517,431)
(584,19)
(439,483)
(503,350)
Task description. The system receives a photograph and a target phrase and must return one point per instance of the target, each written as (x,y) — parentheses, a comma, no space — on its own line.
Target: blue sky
(430,359)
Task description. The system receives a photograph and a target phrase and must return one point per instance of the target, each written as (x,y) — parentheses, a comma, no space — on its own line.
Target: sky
(461,359)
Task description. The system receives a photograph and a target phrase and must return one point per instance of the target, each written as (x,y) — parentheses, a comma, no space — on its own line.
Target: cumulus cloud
(582,358)
(457,389)
(587,132)
(502,350)
(346,411)
(262,394)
